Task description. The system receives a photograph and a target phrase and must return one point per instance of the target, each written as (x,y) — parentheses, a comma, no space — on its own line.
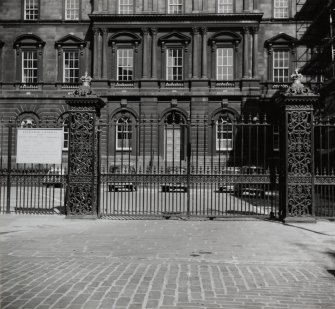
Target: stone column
(145,55)
(195,68)
(245,52)
(254,52)
(255,5)
(104,53)
(195,6)
(96,55)
(297,183)
(81,193)
(204,53)
(246,5)
(154,53)
(105,5)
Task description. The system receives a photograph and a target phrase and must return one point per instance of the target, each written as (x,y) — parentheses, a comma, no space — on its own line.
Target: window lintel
(281,40)
(70,40)
(28,40)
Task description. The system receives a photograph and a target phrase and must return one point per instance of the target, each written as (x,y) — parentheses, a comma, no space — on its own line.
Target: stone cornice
(168,18)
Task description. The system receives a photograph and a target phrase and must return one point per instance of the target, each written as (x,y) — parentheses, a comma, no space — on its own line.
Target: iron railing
(29,188)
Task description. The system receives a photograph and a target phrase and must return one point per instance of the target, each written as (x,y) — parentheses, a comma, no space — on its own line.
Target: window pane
(71,67)
(225,6)
(174,62)
(125,63)
(224,133)
(125,6)
(30,9)
(175,6)
(224,64)
(28,122)
(281,9)
(124,134)
(72,9)
(281,66)
(29,66)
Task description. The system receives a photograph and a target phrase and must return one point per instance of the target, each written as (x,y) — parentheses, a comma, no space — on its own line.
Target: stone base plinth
(306,219)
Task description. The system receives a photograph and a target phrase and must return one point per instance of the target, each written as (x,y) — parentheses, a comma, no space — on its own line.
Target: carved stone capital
(195,30)
(246,30)
(145,31)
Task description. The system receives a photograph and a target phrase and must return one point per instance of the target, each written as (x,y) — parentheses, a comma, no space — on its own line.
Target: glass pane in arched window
(224,133)
(28,123)
(124,134)
(66,134)
(174,118)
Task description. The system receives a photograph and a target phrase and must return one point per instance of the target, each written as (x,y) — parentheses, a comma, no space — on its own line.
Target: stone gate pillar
(298,139)
(84,109)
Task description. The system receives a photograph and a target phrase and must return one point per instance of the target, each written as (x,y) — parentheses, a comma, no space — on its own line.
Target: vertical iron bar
(188,167)
(98,170)
(9,166)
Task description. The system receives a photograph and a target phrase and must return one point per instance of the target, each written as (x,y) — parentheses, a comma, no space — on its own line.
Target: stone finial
(298,88)
(296,76)
(86,80)
(84,90)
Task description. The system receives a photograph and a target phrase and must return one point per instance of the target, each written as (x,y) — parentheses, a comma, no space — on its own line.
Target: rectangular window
(225,6)
(125,64)
(30,9)
(281,63)
(71,67)
(225,64)
(71,9)
(174,68)
(281,9)
(175,7)
(125,6)
(29,66)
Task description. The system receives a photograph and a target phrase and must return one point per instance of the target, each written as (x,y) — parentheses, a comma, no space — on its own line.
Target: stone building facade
(166,59)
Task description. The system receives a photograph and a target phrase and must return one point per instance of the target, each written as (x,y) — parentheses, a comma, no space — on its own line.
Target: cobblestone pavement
(48,262)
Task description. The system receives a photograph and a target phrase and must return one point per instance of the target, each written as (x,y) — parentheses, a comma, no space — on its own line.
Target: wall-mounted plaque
(39,146)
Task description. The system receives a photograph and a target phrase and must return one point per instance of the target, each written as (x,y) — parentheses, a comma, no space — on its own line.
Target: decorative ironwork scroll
(83,152)
(299,159)
(298,101)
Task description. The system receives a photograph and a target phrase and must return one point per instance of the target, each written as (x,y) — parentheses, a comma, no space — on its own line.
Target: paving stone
(144,264)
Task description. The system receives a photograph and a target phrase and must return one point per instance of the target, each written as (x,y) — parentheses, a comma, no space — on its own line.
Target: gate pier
(298,141)
(84,110)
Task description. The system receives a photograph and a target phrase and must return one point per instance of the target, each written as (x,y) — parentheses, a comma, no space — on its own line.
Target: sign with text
(39,146)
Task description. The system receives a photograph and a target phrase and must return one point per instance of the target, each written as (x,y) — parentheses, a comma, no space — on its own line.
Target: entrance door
(172,144)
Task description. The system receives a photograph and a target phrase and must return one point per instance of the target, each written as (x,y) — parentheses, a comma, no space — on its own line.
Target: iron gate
(177,167)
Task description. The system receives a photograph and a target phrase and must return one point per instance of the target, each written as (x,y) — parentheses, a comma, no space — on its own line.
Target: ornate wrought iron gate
(178,167)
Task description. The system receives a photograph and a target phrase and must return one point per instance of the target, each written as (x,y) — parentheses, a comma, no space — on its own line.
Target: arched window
(174,137)
(124,133)
(224,132)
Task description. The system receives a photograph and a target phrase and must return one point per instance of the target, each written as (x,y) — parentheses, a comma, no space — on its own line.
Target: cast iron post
(84,110)
(298,102)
